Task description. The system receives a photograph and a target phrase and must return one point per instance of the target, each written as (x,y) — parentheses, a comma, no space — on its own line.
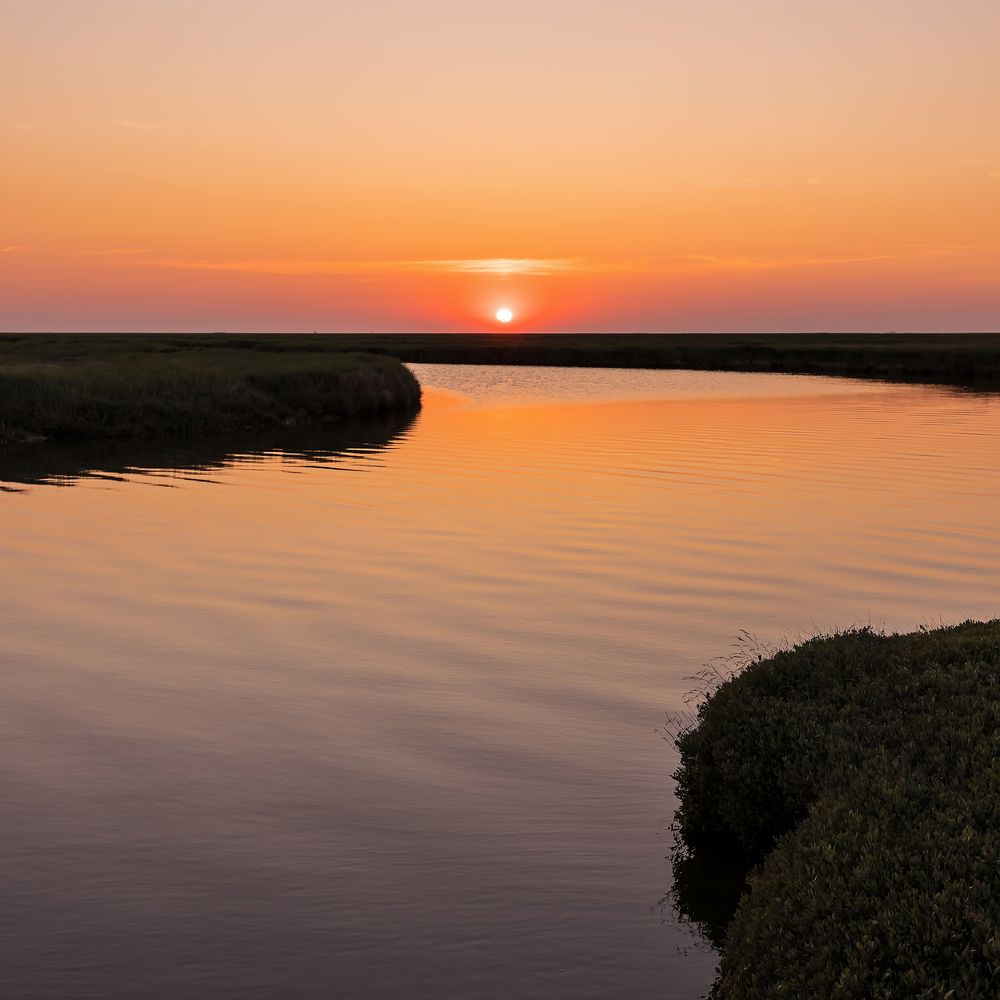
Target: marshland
(93,386)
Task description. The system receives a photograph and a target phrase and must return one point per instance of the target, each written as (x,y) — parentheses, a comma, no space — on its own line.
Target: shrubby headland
(858,777)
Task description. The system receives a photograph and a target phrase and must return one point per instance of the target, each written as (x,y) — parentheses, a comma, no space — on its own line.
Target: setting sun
(504,315)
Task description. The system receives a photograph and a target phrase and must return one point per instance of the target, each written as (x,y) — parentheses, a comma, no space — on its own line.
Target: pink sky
(309,164)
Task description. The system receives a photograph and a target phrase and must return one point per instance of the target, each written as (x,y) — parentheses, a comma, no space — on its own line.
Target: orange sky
(390,165)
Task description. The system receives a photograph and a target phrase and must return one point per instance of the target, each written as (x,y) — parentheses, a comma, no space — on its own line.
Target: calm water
(376,715)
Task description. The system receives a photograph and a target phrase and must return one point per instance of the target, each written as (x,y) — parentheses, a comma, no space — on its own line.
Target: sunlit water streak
(381,721)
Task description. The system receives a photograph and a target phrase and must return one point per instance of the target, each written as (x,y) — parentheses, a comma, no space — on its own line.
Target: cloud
(512,266)
(508,265)
(932,248)
(738,183)
(711,263)
(492,265)
(113,252)
(992,163)
(982,279)
(140,126)
(13,248)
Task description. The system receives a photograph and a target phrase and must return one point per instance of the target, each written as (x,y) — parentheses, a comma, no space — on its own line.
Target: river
(378,714)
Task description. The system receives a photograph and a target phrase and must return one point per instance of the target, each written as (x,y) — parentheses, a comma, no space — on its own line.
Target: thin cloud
(712,263)
(992,163)
(113,252)
(739,182)
(509,266)
(982,279)
(12,248)
(139,126)
(492,265)
(746,182)
(945,248)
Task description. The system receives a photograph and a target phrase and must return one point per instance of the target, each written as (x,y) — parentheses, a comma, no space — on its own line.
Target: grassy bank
(952,359)
(862,773)
(86,388)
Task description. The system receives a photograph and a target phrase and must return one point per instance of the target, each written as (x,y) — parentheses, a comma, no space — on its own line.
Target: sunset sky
(404,165)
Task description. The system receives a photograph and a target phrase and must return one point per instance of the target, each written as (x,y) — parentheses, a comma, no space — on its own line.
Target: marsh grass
(959,359)
(86,388)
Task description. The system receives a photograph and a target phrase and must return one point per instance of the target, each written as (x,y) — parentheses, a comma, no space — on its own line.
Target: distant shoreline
(958,359)
(950,359)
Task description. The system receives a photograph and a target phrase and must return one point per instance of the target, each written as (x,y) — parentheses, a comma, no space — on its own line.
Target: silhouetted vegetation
(95,387)
(861,771)
(952,359)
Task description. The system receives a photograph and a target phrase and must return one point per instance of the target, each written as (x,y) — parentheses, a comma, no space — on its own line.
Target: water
(375,715)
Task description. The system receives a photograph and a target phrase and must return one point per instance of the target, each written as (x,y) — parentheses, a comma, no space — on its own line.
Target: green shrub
(865,770)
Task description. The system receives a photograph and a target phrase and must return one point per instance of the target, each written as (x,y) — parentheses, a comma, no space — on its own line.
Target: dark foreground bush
(141,395)
(865,770)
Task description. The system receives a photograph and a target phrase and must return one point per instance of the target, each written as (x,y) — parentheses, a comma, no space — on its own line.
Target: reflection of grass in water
(710,879)
(104,388)
(859,772)
(66,463)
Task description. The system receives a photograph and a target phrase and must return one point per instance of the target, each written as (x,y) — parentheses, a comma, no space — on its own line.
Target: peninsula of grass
(117,388)
(861,773)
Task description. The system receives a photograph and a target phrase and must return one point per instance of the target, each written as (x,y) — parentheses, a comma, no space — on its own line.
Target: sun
(504,315)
